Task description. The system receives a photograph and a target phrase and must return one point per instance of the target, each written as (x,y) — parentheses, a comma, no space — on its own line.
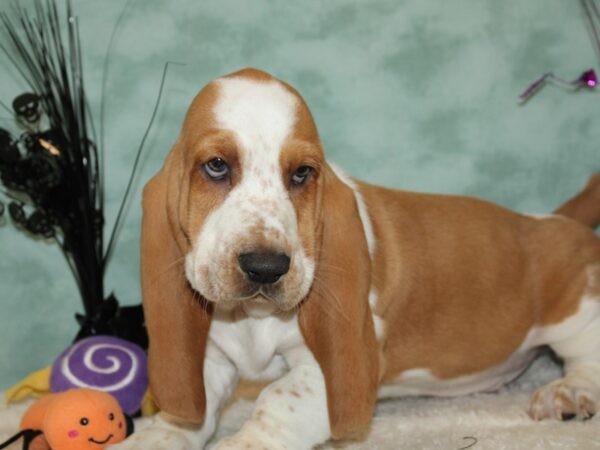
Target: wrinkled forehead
(261,111)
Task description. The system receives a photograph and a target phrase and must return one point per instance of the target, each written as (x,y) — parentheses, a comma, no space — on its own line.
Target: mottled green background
(415,94)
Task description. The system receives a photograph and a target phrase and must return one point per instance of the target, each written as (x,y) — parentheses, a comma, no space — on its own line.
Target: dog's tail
(585,206)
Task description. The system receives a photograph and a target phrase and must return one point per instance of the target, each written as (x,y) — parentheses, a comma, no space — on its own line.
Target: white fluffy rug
(483,421)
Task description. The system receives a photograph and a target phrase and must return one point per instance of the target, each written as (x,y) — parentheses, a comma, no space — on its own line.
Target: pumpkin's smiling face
(84,419)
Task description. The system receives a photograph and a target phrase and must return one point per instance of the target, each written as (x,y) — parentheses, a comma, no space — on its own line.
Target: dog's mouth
(229,288)
(256,293)
(94,441)
(256,305)
(259,306)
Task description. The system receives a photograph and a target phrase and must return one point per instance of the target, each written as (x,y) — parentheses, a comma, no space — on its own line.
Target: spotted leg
(291,413)
(220,378)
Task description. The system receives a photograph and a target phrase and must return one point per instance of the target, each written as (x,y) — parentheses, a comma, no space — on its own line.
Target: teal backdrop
(413,94)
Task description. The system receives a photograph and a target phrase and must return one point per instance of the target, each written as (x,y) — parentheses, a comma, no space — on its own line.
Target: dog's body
(340,291)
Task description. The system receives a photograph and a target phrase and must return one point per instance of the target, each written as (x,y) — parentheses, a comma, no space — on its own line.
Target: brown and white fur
(388,293)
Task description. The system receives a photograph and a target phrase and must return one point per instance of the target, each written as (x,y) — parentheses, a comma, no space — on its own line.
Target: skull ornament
(27,108)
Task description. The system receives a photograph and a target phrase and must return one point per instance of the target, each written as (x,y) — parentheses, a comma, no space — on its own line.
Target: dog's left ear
(335,318)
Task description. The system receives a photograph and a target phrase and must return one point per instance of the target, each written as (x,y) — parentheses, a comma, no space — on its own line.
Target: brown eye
(216,168)
(111,417)
(301,174)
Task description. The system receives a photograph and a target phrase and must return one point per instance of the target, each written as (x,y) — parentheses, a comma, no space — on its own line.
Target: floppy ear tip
(355,426)
(181,404)
(350,432)
(193,416)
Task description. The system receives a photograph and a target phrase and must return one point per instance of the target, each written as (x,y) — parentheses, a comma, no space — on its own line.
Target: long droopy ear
(335,318)
(176,320)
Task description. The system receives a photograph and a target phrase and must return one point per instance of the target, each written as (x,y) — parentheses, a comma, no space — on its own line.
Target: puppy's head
(250,193)
(246,202)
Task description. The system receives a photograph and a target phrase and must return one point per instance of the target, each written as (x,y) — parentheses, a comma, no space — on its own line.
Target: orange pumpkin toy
(78,419)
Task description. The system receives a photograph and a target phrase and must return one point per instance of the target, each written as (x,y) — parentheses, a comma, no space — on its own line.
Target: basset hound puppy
(260,260)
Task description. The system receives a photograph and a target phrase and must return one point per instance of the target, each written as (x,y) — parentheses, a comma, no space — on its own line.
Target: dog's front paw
(564,399)
(155,438)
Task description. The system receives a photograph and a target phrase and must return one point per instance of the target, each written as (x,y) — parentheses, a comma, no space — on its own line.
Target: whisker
(166,269)
(200,300)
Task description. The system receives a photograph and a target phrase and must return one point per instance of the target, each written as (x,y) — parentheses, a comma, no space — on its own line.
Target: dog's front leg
(290,413)
(220,377)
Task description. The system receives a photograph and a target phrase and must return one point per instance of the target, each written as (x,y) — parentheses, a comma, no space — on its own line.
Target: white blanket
(494,421)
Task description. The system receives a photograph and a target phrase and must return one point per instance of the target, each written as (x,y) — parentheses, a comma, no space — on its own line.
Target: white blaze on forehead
(260,113)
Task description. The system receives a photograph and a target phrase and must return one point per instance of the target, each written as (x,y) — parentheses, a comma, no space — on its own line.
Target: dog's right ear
(176,318)
(335,318)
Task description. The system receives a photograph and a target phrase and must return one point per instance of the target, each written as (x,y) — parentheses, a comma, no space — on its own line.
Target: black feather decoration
(52,171)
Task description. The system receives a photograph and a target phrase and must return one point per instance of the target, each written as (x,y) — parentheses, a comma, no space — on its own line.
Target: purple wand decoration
(587,79)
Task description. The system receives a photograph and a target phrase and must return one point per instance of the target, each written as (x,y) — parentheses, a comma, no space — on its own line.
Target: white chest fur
(256,346)
(264,347)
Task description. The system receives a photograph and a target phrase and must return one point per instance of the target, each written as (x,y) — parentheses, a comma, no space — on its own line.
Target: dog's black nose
(264,268)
